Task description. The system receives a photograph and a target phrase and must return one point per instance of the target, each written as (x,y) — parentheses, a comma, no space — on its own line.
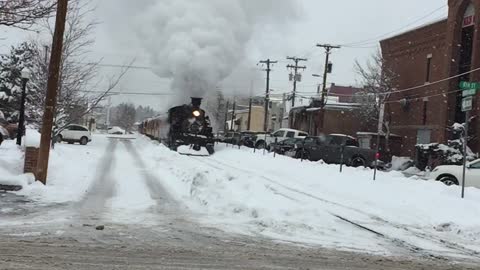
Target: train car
(183,125)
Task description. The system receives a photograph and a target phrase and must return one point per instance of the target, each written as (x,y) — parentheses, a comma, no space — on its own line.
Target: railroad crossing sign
(469,85)
(467,104)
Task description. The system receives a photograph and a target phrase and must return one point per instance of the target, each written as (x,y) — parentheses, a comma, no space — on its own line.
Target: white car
(280,135)
(75,133)
(452,174)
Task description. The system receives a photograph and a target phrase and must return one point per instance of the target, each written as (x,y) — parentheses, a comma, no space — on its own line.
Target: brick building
(343,118)
(345,94)
(423,58)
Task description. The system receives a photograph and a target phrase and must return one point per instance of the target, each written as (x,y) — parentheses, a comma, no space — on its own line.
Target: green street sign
(467,104)
(469,92)
(469,85)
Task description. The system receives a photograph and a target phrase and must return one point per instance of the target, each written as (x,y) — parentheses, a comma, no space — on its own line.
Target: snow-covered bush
(435,154)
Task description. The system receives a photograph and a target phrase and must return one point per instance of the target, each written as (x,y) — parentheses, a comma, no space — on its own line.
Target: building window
(429,67)
(424,136)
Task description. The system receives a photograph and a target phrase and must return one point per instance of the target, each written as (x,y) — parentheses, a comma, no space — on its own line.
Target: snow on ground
(287,199)
(251,193)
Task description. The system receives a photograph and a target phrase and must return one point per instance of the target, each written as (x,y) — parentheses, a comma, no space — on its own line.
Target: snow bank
(247,192)
(188,150)
(11,166)
(401,163)
(72,168)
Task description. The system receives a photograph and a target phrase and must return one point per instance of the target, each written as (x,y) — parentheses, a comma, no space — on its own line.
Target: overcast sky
(334,22)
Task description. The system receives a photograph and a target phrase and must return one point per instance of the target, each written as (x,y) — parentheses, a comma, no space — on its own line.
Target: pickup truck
(329,149)
(264,141)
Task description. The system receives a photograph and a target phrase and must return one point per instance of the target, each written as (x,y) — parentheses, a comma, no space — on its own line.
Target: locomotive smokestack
(196,102)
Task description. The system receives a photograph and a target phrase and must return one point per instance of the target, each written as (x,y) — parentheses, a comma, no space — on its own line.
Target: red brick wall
(31,157)
(407,54)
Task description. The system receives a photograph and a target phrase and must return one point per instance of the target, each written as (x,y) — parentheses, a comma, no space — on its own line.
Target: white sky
(334,22)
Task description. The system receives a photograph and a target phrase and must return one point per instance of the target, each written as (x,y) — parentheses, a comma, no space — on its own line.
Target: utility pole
(269,63)
(52,87)
(108,111)
(296,76)
(232,128)
(249,122)
(328,67)
(284,109)
(225,125)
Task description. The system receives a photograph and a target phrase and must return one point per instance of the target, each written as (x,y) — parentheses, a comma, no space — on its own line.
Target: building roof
(428,24)
(343,90)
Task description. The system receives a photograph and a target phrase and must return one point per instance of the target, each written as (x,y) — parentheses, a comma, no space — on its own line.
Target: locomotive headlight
(196,113)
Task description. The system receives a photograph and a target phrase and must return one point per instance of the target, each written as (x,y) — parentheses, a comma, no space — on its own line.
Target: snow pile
(401,163)
(32,138)
(188,150)
(284,198)
(11,166)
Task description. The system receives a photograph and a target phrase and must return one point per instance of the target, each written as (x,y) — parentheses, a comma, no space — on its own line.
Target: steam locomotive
(183,125)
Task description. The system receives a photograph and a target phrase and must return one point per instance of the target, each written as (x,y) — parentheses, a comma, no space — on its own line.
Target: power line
(393,31)
(419,86)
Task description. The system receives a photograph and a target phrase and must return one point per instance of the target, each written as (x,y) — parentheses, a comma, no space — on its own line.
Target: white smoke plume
(198,43)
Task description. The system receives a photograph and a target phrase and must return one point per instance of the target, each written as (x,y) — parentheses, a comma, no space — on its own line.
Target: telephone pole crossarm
(328,50)
(295,76)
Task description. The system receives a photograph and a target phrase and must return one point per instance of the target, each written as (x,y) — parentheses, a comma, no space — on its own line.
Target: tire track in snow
(157,192)
(92,205)
(397,241)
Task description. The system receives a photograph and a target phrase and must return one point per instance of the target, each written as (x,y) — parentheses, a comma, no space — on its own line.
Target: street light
(21,121)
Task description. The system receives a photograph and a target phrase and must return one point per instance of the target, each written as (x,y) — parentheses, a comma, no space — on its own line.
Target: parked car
(232,137)
(10,127)
(282,134)
(452,174)
(4,135)
(331,147)
(287,147)
(116,131)
(75,133)
(248,138)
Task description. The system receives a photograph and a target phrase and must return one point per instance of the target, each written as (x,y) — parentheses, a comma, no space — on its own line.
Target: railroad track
(375,230)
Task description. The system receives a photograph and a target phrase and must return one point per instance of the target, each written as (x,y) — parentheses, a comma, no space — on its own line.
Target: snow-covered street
(143,194)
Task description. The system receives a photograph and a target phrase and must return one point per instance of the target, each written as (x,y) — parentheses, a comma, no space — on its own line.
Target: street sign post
(469,92)
(469,85)
(467,104)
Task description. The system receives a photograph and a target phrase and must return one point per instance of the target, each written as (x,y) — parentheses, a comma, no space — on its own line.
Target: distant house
(335,117)
(345,94)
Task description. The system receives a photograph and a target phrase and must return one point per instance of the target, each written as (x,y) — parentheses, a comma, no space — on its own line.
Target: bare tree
(124,116)
(378,82)
(24,14)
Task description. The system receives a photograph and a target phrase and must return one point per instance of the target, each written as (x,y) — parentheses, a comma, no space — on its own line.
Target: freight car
(185,125)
